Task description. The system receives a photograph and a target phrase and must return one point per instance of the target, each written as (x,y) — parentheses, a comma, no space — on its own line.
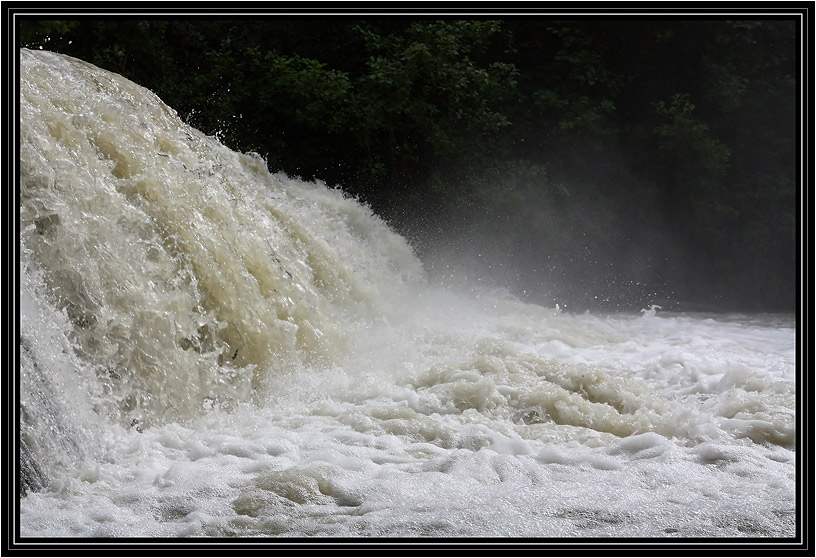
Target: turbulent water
(208,349)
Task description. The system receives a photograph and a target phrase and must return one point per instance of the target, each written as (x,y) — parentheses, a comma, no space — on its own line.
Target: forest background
(597,163)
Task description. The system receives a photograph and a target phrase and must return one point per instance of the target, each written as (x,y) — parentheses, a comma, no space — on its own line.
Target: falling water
(208,349)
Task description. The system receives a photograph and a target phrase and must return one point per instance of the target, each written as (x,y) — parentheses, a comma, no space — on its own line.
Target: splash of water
(189,274)
(177,296)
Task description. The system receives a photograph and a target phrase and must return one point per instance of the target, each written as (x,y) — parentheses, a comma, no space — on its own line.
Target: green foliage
(47,34)
(680,130)
(428,93)
(583,59)
(599,153)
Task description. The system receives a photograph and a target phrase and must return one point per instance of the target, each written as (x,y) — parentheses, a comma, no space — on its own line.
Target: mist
(213,349)
(569,249)
(598,164)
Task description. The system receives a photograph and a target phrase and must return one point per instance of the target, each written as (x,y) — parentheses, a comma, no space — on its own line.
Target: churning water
(208,349)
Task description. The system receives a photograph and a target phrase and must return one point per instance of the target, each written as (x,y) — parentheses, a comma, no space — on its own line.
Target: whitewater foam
(209,349)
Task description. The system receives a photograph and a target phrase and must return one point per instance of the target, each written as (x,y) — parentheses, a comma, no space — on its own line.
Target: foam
(229,352)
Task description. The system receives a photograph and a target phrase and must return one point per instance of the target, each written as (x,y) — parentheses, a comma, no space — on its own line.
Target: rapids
(210,349)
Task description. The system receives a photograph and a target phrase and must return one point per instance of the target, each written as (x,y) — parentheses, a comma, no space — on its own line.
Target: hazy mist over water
(211,350)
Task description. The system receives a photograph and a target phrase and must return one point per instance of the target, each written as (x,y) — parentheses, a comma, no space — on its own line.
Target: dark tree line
(599,163)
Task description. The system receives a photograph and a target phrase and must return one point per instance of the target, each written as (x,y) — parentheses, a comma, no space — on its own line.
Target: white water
(211,350)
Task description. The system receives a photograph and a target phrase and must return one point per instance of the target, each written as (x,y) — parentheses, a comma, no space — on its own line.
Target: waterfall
(186,273)
(208,349)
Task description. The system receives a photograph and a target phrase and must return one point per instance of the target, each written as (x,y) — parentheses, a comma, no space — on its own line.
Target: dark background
(599,163)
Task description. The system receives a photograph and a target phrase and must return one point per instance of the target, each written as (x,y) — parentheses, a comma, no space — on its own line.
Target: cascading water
(208,349)
(188,272)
